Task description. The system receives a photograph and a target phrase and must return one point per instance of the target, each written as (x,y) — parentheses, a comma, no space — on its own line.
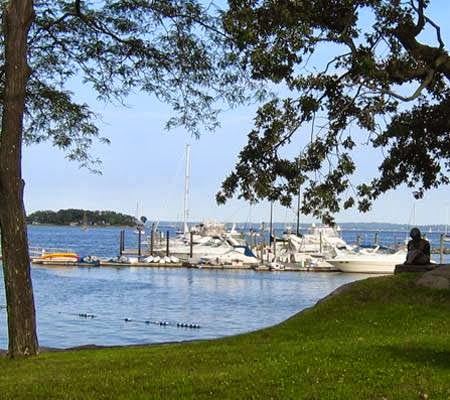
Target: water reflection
(222,302)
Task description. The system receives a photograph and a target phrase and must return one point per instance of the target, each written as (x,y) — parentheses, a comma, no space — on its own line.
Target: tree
(169,48)
(18,16)
(379,76)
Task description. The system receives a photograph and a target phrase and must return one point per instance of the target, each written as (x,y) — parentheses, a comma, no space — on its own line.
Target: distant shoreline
(82,226)
(347,226)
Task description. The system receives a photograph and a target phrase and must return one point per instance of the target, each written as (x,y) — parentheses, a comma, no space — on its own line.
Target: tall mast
(298,212)
(186,189)
(271,237)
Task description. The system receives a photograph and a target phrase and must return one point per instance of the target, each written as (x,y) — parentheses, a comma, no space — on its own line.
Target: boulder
(414,268)
(438,278)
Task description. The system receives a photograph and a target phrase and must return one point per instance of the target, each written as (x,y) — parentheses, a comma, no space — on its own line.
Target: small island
(76,217)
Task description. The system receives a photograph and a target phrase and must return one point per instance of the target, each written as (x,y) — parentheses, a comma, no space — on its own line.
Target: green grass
(383,338)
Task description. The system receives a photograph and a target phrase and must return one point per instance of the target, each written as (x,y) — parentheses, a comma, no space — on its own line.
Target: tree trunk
(18,15)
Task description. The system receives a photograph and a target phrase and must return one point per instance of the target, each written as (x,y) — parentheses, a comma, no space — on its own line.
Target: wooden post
(152,239)
(375,240)
(167,243)
(139,241)
(191,244)
(271,225)
(441,249)
(274,249)
(121,242)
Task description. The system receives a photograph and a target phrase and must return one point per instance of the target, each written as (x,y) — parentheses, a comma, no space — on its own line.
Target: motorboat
(233,256)
(209,239)
(53,256)
(216,248)
(323,240)
(369,261)
(313,247)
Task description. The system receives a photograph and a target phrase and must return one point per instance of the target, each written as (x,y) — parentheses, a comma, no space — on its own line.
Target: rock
(439,278)
(413,268)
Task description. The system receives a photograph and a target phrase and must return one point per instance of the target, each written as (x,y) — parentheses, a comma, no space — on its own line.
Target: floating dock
(290,267)
(63,263)
(142,264)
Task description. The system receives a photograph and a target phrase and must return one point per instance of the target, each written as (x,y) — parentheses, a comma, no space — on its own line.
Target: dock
(260,268)
(63,263)
(142,264)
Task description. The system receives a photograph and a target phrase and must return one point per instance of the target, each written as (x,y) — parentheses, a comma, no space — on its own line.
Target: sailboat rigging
(186,190)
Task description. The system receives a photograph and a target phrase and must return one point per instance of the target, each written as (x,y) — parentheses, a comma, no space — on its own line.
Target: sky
(143,168)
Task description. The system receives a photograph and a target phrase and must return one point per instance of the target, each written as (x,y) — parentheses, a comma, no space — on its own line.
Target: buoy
(84,315)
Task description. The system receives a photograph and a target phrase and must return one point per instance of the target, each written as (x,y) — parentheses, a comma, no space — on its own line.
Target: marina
(119,303)
(317,248)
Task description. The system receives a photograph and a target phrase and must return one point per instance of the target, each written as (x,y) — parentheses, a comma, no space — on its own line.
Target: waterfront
(104,242)
(222,302)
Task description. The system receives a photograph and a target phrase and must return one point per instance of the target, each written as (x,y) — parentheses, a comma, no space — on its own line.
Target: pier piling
(167,243)
(122,242)
(152,239)
(139,242)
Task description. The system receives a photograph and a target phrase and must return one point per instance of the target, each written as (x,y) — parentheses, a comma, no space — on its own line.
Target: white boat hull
(375,265)
(364,268)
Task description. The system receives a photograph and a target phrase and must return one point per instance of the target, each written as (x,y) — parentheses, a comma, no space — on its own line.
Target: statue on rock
(419,252)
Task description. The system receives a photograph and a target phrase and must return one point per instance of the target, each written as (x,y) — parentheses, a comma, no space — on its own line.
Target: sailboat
(210,241)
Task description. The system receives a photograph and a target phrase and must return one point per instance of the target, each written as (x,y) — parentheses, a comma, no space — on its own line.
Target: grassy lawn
(384,338)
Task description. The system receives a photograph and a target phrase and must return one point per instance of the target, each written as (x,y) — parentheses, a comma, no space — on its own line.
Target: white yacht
(210,241)
(323,240)
(320,242)
(368,261)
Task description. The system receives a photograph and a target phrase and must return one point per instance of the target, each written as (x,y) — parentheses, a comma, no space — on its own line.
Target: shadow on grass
(417,354)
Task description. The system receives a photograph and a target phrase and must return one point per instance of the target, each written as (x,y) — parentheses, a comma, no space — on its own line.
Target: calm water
(222,302)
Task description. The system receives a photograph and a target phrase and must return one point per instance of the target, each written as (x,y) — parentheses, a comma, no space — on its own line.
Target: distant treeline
(81,217)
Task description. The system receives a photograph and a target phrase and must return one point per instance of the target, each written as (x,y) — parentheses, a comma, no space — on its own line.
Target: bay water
(133,305)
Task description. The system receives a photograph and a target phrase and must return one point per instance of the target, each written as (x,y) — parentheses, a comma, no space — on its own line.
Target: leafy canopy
(171,49)
(379,76)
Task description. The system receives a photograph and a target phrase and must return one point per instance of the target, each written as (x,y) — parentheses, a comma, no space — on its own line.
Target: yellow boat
(67,257)
(56,258)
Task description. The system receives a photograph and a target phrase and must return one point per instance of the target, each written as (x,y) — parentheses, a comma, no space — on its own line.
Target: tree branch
(415,95)
(421,17)
(435,58)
